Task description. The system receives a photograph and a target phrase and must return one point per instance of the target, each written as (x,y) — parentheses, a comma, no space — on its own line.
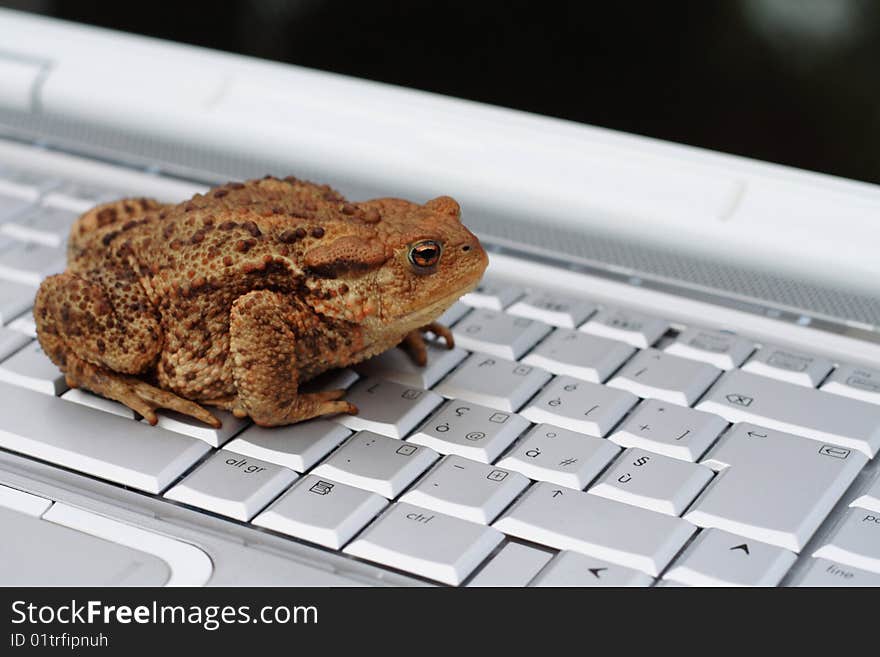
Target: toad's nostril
(466,247)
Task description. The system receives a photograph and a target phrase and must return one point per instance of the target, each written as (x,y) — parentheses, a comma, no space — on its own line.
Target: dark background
(790,81)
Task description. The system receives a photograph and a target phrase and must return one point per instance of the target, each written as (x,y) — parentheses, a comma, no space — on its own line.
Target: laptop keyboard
(562,442)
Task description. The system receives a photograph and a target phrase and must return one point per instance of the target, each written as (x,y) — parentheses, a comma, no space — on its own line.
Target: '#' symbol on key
(740,400)
(568,461)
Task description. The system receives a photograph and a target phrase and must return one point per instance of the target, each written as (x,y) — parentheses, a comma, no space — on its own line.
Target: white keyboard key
(568,519)
(25,325)
(15,299)
(86,398)
(745,397)
(98,444)
(492,295)
(387,407)
(719,348)
(29,262)
(824,573)
(49,226)
(25,184)
(466,489)
(627,326)
(470,430)
(493,332)
(514,566)
(669,429)
(653,481)
(579,354)
(426,543)
(572,569)
(560,456)
(454,313)
(581,406)
(319,511)
(857,382)
(553,309)
(855,541)
(11,341)
(658,375)
(494,382)
(377,463)
(232,485)
(79,198)
(397,365)
(11,206)
(869,498)
(719,558)
(297,446)
(31,368)
(189,426)
(773,487)
(790,365)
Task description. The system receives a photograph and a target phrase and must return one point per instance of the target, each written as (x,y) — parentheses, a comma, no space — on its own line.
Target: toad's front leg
(263,330)
(414,342)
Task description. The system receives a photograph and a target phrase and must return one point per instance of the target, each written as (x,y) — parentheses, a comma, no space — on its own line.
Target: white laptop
(670,375)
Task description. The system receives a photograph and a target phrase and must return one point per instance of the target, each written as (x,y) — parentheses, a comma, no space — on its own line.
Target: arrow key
(719,558)
(567,519)
(577,570)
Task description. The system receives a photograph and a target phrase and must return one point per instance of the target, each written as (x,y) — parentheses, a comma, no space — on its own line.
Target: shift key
(93,442)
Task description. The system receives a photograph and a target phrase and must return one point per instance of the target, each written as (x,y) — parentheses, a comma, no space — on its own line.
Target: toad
(235,298)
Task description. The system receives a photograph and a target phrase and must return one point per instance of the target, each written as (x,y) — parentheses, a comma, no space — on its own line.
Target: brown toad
(236,297)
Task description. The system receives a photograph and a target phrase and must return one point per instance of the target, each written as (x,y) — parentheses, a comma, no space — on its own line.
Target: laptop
(669,376)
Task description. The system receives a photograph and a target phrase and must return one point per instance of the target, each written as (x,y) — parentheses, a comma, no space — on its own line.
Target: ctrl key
(425,543)
(232,485)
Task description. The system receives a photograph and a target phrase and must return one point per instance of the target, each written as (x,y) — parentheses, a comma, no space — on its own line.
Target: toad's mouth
(422,316)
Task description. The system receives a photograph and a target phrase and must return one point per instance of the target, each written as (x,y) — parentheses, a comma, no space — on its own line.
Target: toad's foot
(414,342)
(311,405)
(306,406)
(139,396)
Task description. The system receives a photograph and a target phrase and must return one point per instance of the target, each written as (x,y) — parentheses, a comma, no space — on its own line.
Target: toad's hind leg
(79,330)
(97,324)
(263,329)
(139,396)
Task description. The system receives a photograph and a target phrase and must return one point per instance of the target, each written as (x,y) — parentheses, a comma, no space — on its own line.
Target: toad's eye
(424,255)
